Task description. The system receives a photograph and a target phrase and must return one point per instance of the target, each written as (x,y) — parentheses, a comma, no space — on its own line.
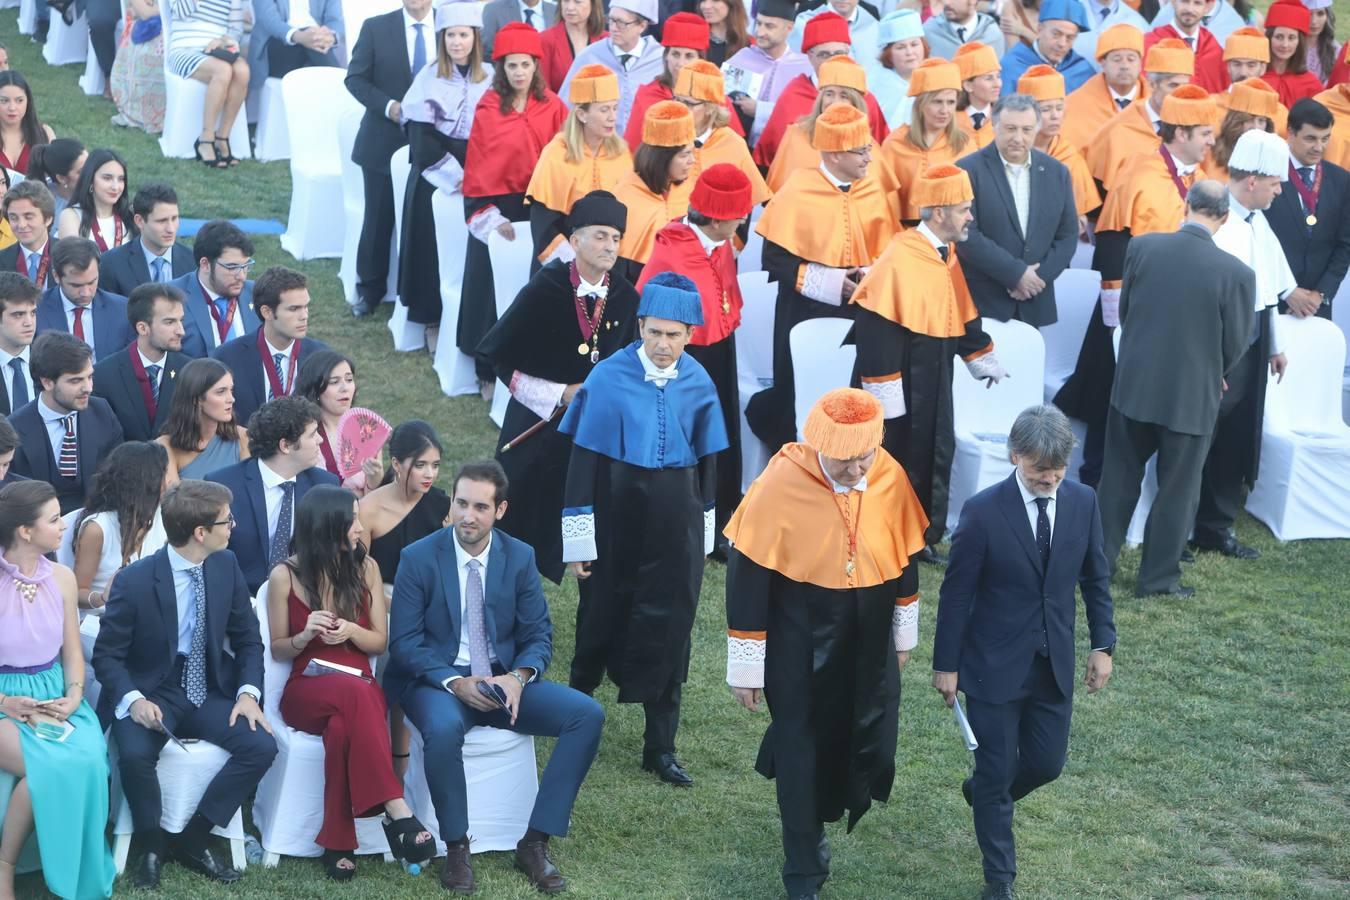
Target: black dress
(426,517)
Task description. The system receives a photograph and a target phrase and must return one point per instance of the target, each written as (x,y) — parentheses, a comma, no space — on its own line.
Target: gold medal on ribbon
(1311,220)
(583,348)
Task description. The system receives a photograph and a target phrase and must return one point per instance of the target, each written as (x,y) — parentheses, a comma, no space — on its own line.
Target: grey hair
(1208,198)
(926,213)
(1016,103)
(1042,435)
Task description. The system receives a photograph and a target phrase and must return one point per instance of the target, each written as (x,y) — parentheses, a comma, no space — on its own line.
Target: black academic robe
(419,273)
(538,337)
(478,297)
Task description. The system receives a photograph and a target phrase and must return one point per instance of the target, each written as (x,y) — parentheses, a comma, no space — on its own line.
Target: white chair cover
(66,44)
(314,98)
(454,368)
(353,201)
(750,259)
(1303,487)
(1148,488)
(92,82)
(355,13)
(273,140)
(1082,256)
(183,102)
(27,15)
(820,362)
(502,779)
(754,363)
(510,273)
(408,336)
(982,416)
(1076,293)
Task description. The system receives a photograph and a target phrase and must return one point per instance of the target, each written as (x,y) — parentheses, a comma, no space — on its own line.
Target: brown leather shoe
(532,859)
(457,872)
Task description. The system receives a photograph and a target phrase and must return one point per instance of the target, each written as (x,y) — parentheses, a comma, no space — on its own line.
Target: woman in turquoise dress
(54,789)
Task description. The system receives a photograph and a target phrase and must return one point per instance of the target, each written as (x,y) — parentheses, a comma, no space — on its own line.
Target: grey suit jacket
(270,22)
(996,253)
(1186,311)
(499,12)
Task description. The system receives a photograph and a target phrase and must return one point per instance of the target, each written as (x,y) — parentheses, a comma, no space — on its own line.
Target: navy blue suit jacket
(123,269)
(137,642)
(996,599)
(115,381)
(97,431)
(249,539)
(250,387)
(197,321)
(1319,256)
(112,331)
(425,619)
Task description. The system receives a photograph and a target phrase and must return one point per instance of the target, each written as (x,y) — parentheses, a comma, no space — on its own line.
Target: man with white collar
(1256,171)
(638,513)
(29,208)
(765,67)
(1119,53)
(139,383)
(958,24)
(77,306)
(18,327)
(1101,15)
(538,14)
(862,27)
(1220,18)
(1187,25)
(1061,22)
(629,52)
(217,293)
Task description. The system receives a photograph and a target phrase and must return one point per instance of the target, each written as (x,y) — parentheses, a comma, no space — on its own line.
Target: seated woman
(405,508)
(58,164)
(112,530)
(101,209)
(20,128)
(328,378)
(580,23)
(137,80)
(326,605)
(701,88)
(57,789)
(201,433)
(932,136)
(204,45)
(657,190)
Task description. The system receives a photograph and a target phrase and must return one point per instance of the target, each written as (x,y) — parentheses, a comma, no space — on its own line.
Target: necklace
(589,323)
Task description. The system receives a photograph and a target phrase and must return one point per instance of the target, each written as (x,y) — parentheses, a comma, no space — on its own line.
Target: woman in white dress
(100,208)
(204,44)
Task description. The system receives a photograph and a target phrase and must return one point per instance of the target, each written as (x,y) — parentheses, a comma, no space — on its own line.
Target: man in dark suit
(217,295)
(1186,309)
(286,38)
(283,440)
(29,208)
(538,14)
(266,363)
(155,254)
(1309,216)
(1005,622)
(9,443)
(78,306)
(64,432)
(164,672)
(468,616)
(139,383)
(389,51)
(1026,224)
(18,327)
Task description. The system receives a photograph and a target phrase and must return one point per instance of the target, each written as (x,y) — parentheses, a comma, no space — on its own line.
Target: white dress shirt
(1029,504)
(410,36)
(150,258)
(272,496)
(270,365)
(299,18)
(834,181)
(1255,244)
(536,20)
(1019,181)
(658,376)
(1134,92)
(86,320)
(932,238)
(56,428)
(707,243)
(32,259)
(7,372)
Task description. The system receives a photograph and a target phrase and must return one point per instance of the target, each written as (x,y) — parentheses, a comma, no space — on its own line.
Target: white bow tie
(585,288)
(662,375)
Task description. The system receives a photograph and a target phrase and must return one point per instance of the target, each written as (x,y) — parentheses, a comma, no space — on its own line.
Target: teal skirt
(68,783)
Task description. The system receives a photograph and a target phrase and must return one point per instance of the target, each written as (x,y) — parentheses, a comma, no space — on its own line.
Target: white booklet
(317,667)
(963,726)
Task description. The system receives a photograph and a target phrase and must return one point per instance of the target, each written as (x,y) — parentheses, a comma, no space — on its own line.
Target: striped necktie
(152,375)
(69,463)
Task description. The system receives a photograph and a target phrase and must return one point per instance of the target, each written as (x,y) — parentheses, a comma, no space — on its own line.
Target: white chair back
(751,258)
(978,409)
(353,199)
(820,362)
(1308,400)
(65,554)
(314,98)
(454,368)
(754,337)
(1076,292)
(355,13)
(510,273)
(27,16)
(275,671)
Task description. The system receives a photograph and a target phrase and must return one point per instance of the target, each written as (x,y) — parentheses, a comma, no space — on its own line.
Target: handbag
(146,30)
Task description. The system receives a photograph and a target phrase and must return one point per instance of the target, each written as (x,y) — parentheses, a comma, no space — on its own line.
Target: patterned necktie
(1122,102)
(419,49)
(222,308)
(977,119)
(1043,529)
(78,328)
(281,538)
(18,395)
(194,673)
(479,664)
(69,464)
(159,269)
(152,375)
(277,359)
(1306,173)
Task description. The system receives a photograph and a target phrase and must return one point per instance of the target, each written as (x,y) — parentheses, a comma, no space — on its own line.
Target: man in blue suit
(283,443)
(77,306)
(289,36)
(266,362)
(155,254)
(218,295)
(163,669)
(1004,632)
(469,641)
(1061,21)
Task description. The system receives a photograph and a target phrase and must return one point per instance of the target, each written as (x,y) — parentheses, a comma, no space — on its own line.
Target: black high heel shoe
(402,836)
(227,156)
(216,163)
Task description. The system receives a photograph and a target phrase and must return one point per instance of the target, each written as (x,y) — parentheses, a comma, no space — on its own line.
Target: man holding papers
(1004,631)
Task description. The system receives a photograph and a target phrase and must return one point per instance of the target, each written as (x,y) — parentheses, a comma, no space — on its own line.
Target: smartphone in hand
(494,693)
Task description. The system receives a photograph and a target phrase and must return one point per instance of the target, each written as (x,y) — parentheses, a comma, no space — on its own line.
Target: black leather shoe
(1230,548)
(208,862)
(362,308)
(668,769)
(998,890)
(532,858)
(968,791)
(146,876)
(1187,556)
(1180,592)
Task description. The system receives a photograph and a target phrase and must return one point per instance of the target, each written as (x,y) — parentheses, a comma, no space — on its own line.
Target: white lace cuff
(890,390)
(485,221)
(905,626)
(986,365)
(1110,307)
(538,395)
(709,529)
(745,662)
(823,283)
(578,534)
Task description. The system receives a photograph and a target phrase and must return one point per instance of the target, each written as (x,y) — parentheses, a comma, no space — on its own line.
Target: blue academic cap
(671,296)
(1068,10)
(900,25)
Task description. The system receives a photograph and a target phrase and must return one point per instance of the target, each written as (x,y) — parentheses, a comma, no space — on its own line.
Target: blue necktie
(419,49)
(194,673)
(1306,173)
(152,375)
(222,307)
(159,270)
(281,538)
(529,17)
(18,396)
(34,260)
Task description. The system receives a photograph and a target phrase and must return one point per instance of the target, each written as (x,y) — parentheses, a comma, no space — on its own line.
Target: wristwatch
(519,678)
(1109,651)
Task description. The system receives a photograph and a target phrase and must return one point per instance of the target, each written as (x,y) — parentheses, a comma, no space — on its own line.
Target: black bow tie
(1122,102)
(845,187)
(942,252)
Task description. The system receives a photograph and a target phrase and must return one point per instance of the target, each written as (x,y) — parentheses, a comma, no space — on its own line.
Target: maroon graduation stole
(273,380)
(118,230)
(223,325)
(44,263)
(143,381)
(588,323)
(1182,187)
(1307,194)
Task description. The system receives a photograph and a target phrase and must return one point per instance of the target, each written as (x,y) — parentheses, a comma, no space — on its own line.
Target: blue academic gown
(1075,69)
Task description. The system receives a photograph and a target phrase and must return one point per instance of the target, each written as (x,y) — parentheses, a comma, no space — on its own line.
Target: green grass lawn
(1214,763)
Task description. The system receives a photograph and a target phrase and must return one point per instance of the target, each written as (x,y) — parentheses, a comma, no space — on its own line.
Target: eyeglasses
(238,267)
(691,104)
(620,23)
(229,522)
(861,152)
(826,54)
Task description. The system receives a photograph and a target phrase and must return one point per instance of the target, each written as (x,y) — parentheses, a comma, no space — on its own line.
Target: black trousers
(1023,744)
(1181,458)
(806,860)
(284,58)
(377,235)
(663,720)
(138,748)
(104,17)
(1223,487)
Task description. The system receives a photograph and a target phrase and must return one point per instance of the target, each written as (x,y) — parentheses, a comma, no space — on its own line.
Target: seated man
(29,208)
(78,306)
(289,36)
(155,254)
(139,383)
(218,297)
(160,660)
(460,657)
(18,327)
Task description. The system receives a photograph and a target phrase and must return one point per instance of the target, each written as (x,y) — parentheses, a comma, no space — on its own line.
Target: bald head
(1207,204)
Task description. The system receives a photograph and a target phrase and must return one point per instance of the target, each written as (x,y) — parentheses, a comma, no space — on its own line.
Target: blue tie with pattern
(194,672)
(152,375)
(277,359)
(281,538)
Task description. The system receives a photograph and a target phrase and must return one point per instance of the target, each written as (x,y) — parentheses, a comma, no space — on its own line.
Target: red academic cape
(1340,73)
(1293,88)
(504,147)
(1211,72)
(795,102)
(678,249)
(654,92)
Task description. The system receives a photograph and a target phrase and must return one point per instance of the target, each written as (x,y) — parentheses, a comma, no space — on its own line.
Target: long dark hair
(1298,63)
(506,94)
(83,195)
(183,426)
(652,165)
(128,482)
(20,504)
(30,126)
(315,371)
(46,161)
(321,558)
(1324,43)
(410,440)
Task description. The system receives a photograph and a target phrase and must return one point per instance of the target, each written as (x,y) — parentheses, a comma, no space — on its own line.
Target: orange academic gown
(556,184)
(906,161)
(796,101)
(1337,100)
(1086,197)
(1128,134)
(1090,107)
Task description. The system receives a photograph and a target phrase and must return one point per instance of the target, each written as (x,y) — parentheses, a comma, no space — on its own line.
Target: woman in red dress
(580,23)
(1287,29)
(20,128)
(326,605)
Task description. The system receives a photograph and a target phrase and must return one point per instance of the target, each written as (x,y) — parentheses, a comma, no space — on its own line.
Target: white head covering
(1262,153)
(1317,4)
(900,25)
(459,13)
(645,8)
